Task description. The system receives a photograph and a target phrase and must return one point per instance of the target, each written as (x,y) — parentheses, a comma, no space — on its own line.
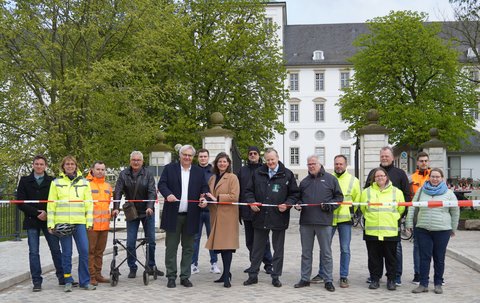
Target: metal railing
(11,219)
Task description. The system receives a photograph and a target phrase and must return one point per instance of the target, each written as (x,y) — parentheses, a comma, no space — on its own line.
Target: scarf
(431,190)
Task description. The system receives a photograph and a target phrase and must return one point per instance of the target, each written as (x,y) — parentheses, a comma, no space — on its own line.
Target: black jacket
(399,179)
(282,188)
(245,177)
(28,189)
(171,184)
(145,191)
(318,189)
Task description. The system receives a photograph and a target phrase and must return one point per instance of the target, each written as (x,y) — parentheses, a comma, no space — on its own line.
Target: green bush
(469,214)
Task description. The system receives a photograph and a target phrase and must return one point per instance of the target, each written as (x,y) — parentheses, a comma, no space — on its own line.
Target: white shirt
(183,208)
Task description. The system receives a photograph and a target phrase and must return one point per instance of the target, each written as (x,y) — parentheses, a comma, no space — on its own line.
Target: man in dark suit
(181,184)
(35,187)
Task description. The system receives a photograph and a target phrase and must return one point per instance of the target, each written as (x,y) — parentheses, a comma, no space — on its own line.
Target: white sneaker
(214,269)
(194,269)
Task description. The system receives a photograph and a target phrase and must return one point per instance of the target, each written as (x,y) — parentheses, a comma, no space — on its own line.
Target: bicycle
(358,220)
(405,233)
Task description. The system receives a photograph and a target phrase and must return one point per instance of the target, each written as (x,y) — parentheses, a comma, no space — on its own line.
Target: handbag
(129,208)
(130,211)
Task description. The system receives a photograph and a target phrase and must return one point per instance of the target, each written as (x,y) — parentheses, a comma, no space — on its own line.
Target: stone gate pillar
(217,139)
(437,151)
(372,138)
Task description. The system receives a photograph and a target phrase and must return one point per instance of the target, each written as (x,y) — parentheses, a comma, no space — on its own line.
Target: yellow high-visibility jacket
(351,193)
(381,221)
(81,212)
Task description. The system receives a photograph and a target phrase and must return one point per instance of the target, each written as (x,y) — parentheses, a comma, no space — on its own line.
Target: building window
(294,155)
(317,55)
(344,79)
(319,135)
(294,135)
(294,112)
(319,112)
(320,153)
(345,135)
(346,152)
(319,81)
(294,82)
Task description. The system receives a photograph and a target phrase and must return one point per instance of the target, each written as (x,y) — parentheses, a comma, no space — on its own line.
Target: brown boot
(101,279)
(93,281)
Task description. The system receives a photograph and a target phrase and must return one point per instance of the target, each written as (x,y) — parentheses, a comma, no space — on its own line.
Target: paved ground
(462,282)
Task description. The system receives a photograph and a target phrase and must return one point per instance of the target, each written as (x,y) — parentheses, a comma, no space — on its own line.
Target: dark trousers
(378,251)
(249,237)
(259,241)
(172,239)
(432,244)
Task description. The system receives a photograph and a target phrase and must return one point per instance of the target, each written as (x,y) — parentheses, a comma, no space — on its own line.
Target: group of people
(197,195)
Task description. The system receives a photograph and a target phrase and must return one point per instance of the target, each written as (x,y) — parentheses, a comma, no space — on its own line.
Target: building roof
(335,40)
(469,146)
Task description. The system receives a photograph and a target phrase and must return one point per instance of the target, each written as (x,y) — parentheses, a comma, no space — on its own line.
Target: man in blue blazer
(181,184)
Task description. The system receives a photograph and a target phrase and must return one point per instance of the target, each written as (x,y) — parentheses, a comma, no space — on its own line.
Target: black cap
(253,148)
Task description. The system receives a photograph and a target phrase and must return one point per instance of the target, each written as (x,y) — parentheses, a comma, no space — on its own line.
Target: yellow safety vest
(351,193)
(62,188)
(382,220)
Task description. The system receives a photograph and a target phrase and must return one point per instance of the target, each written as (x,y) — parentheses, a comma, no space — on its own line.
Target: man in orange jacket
(97,237)
(417,179)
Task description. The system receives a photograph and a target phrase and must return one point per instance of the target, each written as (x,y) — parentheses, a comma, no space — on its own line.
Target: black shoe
(132,274)
(171,283)
(302,283)
(329,286)
(251,281)
(186,282)
(276,282)
(416,279)
(391,285)
(374,285)
(37,288)
(222,278)
(246,270)
(62,283)
(227,283)
(268,269)
(159,273)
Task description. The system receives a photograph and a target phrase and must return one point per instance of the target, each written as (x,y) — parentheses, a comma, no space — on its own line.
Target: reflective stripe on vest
(380,230)
(342,213)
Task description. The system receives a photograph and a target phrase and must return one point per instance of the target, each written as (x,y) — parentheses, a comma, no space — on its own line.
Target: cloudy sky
(353,11)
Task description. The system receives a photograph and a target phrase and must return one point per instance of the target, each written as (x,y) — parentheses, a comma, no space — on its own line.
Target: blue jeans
(416,255)
(432,244)
(204,219)
(344,236)
(81,241)
(148,224)
(34,254)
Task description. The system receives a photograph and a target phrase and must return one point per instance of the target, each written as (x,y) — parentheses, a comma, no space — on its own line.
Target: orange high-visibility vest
(418,179)
(101,190)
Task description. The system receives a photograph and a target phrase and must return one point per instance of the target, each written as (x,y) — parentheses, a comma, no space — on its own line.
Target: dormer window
(318,55)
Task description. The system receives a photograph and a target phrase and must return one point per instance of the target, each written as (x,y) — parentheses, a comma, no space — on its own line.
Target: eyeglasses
(312,164)
(383,176)
(187,155)
(435,177)
(252,153)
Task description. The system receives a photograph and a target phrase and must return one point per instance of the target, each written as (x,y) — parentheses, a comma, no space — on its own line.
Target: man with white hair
(182,185)
(136,183)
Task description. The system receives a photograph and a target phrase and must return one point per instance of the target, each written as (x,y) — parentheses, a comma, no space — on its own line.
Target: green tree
(230,62)
(413,78)
(71,82)
(466,30)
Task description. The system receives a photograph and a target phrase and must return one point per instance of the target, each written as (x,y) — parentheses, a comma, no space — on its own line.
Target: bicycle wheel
(405,233)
